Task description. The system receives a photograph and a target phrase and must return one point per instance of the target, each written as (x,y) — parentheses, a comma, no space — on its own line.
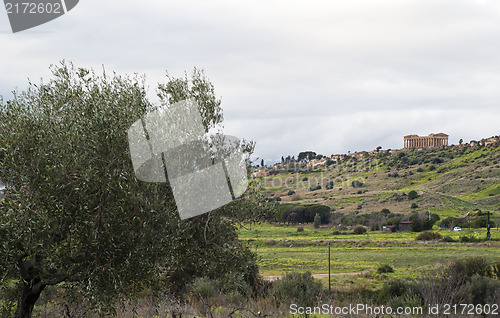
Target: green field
(282,249)
(269,231)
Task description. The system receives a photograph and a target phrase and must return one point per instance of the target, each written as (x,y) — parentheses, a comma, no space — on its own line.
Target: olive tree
(74,213)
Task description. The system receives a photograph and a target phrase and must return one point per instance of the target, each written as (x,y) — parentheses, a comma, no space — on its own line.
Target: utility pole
(488,233)
(329,278)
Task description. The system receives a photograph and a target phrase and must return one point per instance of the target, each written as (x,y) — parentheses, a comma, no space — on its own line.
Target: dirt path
(272,278)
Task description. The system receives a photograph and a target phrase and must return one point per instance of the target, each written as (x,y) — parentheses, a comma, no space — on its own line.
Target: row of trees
(293,213)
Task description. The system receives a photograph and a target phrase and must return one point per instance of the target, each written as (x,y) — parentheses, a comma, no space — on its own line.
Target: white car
(456,228)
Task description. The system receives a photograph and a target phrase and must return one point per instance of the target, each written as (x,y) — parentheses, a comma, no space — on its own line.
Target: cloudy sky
(329,76)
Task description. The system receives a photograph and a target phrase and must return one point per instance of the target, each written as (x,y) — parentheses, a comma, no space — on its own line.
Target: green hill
(454,181)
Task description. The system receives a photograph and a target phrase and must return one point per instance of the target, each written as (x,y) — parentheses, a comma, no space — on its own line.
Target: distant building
(431,141)
(389,228)
(404,226)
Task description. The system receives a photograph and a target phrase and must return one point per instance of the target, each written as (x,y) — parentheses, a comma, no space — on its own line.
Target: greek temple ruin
(431,141)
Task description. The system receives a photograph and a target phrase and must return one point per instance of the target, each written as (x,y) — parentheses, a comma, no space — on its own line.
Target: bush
(428,236)
(468,267)
(357,184)
(420,169)
(330,185)
(414,205)
(359,229)
(300,229)
(314,188)
(297,288)
(317,221)
(479,290)
(482,222)
(470,239)
(412,195)
(437,160)
(202,289)
(291,192)
(448,238)
(386,268)
(397,289)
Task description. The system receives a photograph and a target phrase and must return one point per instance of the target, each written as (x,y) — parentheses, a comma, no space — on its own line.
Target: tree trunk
(29,296)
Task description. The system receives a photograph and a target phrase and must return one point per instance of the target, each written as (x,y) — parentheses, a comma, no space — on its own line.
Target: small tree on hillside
(317,221)
(412,195)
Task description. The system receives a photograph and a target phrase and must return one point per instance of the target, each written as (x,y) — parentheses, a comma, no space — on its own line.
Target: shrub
(291,192)
(385,211)
(202,289)
(305,179)
(432,167)
(357,184)
(397,288)
(412,195)
(330,185)
(448,238)
(469,267)
(482,222)
(297,288)
(317,221)
(386,268)
(300,229)
(414,205)
(479,290)
(420,169)
(428,236)
(436,160)
(359,229)
(470,239)
(314,188)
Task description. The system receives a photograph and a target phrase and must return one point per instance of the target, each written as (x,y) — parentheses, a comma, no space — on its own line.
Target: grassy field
(269,231)
(282,249)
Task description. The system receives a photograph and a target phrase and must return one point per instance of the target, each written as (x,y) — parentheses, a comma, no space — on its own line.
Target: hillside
(450,181)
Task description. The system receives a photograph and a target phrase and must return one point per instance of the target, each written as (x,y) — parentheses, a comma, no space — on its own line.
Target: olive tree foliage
(74,211)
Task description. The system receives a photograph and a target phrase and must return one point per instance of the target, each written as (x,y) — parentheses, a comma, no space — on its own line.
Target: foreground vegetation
(474,281)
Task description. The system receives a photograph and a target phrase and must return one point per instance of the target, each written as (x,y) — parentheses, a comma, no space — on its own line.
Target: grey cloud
(295,75)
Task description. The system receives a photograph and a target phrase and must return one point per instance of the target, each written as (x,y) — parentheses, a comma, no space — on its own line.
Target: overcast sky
(327,76)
